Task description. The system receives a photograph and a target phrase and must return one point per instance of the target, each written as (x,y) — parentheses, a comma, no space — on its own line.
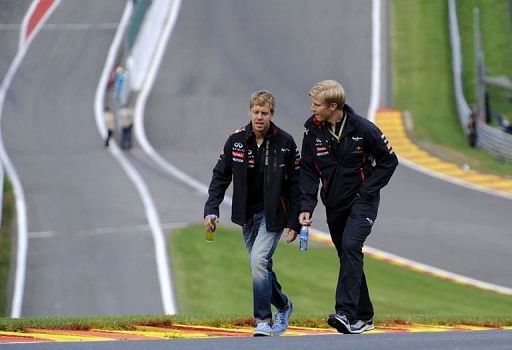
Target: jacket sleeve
(292,186)
(308,178)
(221,178)
(385,162)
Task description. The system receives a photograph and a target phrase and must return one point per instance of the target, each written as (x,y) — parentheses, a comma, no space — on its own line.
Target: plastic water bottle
(303,238)
(210,234)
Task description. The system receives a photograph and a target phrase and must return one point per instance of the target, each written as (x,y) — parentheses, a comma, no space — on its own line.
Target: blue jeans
(261,245)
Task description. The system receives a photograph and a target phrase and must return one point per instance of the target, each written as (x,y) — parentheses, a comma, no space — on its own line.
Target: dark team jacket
(361,163)
(281,178)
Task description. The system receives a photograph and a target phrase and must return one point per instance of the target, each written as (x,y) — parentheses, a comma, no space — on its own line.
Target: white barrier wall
(491,139)
(146,43)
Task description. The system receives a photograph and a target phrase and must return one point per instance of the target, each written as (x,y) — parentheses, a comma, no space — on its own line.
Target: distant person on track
(263,162)
(120,85)
(110,123)
(353,160)
(473,127)
(126,116)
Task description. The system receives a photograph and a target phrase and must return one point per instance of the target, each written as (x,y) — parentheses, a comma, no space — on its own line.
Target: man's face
(260,118)
(321,111)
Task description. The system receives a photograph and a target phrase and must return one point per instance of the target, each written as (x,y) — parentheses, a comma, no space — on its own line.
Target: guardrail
(491,139)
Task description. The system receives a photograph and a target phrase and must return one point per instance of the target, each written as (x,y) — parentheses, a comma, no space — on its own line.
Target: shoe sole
(261,334)
(340,326)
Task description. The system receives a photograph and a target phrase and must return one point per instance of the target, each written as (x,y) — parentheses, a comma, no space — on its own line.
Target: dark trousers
(109,136)
(126,137)
(349,230)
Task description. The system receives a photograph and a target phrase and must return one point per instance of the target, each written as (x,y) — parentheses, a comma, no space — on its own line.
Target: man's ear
(333,106)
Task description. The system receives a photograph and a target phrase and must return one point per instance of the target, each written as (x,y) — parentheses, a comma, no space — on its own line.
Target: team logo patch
(238,154)
(321,151)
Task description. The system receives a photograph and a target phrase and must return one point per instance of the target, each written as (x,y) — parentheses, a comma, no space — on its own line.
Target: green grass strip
(214,278)
(5,243)
(131,322)
(422,81)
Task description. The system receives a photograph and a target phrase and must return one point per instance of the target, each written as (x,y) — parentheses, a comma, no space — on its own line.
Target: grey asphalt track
(222,51)
(87,254)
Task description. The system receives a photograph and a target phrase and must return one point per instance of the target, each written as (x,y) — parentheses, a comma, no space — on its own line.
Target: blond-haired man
(262,161)
(353,160)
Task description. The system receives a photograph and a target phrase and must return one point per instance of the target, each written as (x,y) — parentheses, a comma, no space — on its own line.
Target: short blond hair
(329,91)
(260,98)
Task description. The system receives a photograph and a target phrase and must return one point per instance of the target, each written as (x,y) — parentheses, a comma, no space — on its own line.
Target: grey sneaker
(263,330)
(361,326)
(340,322)
(281,319)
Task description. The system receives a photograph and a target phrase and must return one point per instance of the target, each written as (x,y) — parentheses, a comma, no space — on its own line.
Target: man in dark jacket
(354,160)
(263,162)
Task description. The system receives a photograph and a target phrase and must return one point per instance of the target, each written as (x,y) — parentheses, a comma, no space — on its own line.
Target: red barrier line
(36,16)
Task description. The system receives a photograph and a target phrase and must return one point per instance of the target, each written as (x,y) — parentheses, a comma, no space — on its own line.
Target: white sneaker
(281,320)
(263,330)
(361,326)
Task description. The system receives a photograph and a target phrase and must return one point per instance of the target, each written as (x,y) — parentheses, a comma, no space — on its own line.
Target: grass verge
(5,243)
(228,321)
(421,66)
(214,278)
(213,286)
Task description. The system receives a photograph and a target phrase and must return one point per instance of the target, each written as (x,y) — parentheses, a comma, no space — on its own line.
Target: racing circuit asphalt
(219,53)
(86,253)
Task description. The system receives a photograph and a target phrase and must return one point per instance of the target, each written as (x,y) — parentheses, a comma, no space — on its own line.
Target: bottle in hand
(303,238)
(210,234)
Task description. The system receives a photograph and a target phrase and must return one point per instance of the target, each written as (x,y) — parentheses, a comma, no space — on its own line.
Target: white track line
(19,195)
(452,180)
(374,102)
(376,59)
(164,274)
(417,266)
(24,23)
(104,230)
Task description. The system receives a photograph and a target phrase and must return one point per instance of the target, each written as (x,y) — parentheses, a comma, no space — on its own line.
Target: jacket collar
(272,130)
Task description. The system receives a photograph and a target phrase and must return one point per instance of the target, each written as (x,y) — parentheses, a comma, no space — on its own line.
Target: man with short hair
(354,160)
(262,161)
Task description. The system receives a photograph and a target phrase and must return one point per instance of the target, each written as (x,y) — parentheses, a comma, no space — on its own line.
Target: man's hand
(290,234)
(305,218)
(208,223)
